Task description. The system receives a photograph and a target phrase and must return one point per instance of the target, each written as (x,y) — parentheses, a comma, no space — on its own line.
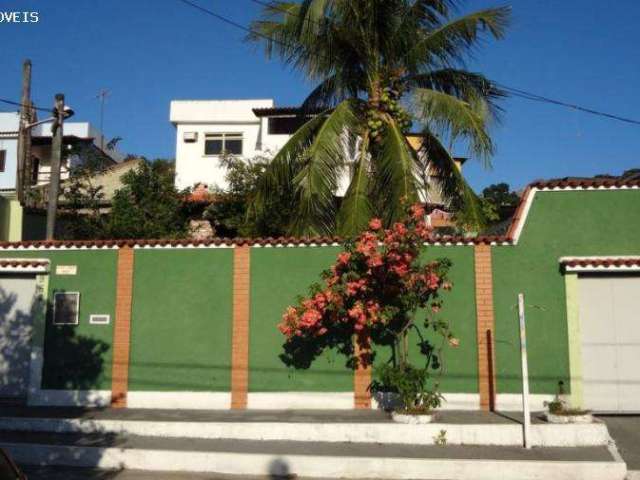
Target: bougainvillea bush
(372,294)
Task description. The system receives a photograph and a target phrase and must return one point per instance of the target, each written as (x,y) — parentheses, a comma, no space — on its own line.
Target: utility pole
(23,180)
(56,160)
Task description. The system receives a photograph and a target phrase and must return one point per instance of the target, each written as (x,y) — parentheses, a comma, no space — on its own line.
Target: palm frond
(450,42)
(461,119)
(396,167)
(317,181)
(356,209)
(452,186)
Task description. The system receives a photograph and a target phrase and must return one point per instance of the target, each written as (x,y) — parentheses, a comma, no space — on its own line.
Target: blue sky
(148,52)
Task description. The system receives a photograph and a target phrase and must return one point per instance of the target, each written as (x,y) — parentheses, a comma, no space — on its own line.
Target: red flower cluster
(377,282)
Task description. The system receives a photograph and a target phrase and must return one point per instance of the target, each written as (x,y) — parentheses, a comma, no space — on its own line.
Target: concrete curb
(542,435)
(313,466)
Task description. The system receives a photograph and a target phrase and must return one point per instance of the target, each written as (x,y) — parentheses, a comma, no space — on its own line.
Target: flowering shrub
(372,293)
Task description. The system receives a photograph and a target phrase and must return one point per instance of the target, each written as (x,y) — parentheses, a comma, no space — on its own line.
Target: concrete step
(318,459)
(457,428)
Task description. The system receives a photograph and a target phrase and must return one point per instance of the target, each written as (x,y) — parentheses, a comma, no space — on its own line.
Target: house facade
(205,129)
(75,133)
(13,225)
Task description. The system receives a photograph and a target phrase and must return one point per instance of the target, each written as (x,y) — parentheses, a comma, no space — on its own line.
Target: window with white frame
(220,143)
(66,308)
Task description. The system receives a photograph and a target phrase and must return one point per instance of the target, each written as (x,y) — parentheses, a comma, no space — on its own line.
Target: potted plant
(377,291)
(559,410)
(402,390)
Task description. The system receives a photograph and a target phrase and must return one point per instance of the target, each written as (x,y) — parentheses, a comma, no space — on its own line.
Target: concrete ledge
(354,467)
(180,400)
(542,435)
(300,401)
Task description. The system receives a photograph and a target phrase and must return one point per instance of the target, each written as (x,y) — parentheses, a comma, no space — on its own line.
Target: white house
(74,133)
(207,128)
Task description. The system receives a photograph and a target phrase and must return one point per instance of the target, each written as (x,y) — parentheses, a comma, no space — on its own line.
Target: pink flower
(435,308)
(344,258)
(432,280)
(375,224)
(400,269)
(447,285)
(375,261)
(417,211)
(400,228)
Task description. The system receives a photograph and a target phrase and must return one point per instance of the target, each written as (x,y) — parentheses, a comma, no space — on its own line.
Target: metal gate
(610,330)
(17,303)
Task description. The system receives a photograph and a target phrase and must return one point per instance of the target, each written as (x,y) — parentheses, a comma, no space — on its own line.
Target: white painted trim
(309,465)
(70,398)
(512,402)
(179,400)
(300,401)
(392,433)
(181,247)
(523,216)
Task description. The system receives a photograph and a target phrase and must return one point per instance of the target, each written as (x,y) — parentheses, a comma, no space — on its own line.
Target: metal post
(24,134)
(525,374)
(56,160)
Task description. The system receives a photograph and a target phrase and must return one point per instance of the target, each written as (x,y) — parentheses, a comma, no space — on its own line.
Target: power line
(18,104)
(512,91)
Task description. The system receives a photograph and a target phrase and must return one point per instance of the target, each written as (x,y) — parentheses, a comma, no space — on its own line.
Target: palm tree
(379,66)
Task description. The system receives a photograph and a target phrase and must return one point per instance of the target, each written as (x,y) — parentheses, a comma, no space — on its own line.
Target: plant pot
(388,401)
(585,417)
(412,419)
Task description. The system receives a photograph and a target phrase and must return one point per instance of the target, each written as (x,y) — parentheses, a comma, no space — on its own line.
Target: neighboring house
(246,128)
(12,223)
(75,133)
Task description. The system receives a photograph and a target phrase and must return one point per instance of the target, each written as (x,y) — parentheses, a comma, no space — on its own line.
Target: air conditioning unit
(190,137)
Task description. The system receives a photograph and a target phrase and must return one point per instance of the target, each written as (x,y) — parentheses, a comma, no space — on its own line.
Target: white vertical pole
(525,374)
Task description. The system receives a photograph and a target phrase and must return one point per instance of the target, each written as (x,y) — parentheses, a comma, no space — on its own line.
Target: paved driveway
(625,430)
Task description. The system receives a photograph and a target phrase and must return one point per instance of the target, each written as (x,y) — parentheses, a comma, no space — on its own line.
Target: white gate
(17,301)
(610,330)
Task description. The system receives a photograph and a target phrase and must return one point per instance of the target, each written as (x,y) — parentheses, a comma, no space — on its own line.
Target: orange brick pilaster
(361,381)
(485,327)
(240,340)
(122,328)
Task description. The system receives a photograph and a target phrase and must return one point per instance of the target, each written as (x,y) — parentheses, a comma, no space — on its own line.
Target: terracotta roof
(595,262)
(573,182)
(23,263)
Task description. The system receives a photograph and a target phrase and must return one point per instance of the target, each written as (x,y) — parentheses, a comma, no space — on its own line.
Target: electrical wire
(515,92)
(18,104)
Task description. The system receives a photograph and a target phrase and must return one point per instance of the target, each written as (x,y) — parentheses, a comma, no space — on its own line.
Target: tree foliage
(230,211)
(380,66)
(148,205)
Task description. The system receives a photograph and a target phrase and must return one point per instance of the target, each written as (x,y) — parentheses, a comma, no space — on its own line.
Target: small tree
(372,293)
(231,212)
(148,205)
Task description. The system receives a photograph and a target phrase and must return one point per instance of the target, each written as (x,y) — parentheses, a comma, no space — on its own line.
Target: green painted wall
(278,277)
(79,356)
(181,321)
(559,224)
(459,365)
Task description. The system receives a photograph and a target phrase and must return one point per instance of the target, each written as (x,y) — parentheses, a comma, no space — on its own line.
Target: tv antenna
(102,95)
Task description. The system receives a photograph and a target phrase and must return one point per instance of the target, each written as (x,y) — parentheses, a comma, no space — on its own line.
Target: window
(66,307)
(285,125)
(219,143)
(3,159)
